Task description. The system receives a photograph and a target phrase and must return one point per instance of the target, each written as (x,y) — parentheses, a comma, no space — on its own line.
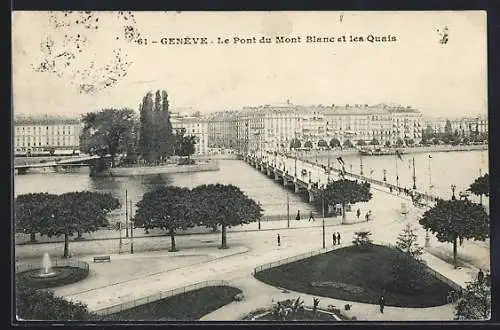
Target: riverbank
(211,165)
(406,150)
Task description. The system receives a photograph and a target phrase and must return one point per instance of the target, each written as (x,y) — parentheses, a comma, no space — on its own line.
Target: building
(464,127)
(274,127)
(46,135)
(193,125)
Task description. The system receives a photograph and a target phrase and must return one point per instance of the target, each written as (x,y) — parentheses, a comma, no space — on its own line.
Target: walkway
(261,247)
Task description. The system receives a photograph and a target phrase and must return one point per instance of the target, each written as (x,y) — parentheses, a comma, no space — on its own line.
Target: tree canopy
(345,191)
(295,143)
(474,302)
(374,142)
(184,144)
(66,214)
(109,131)
(31,212)
(322,144)
(451,220)
(481,186)
(225,206)
(334,142)
(166,207)
(308,144)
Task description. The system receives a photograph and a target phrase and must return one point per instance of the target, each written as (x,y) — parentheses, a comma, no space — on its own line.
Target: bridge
(70,162)
(306,176)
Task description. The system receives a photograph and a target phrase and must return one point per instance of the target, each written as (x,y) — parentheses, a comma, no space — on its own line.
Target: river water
(446,168)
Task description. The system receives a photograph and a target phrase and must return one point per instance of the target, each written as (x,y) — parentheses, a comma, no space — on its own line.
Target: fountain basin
(66,272)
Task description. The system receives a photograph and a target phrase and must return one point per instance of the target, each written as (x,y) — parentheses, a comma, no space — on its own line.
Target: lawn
(355,275)
(189,306)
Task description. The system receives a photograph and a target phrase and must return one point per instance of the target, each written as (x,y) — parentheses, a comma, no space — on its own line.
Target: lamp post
(287,210)
(131,230)
(126,215)
(360,164)
(385,173)
(414,175)
(453,187)
(323,214)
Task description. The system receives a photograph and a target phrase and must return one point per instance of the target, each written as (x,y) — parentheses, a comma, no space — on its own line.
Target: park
(345,275)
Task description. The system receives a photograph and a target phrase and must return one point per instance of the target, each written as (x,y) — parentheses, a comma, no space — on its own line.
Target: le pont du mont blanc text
(236,40)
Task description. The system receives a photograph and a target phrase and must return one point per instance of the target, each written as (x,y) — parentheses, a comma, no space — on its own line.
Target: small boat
(379,152)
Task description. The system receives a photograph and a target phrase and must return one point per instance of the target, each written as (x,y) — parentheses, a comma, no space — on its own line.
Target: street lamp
(360,164)
(453,187)
(323,214)
(385,172)
(414,176)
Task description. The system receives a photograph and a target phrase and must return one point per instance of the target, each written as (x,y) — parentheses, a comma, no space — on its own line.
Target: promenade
(130,277)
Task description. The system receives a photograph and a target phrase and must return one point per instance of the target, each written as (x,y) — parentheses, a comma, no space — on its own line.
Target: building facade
(274,127)
(46,134)
(193,125)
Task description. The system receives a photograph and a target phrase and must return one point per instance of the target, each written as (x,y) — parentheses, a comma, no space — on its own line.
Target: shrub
(362,238)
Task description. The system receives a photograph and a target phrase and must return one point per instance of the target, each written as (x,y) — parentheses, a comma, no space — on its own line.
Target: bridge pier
(296,187)
(276,175)
(269,172)
(285,181)
(310,193)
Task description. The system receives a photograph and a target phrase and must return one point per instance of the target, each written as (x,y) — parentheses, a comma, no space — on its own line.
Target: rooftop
(44,120)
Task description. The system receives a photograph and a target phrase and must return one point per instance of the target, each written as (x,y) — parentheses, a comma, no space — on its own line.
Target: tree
(452,220)
(166,207)
(474,302)
(30,212)
(334,143)
(146,134)
(308,144)
(387,143)
(43,305)
(362,238)
(224,205)
(447,129)
(407,242)
(109,131)
(322,144)
(74,212)
(295,144)
(361,143)
(400,142)
(168,137)
(374,142)
(410,142)
(481,186)
(347,191)
(348,144)
(184,144)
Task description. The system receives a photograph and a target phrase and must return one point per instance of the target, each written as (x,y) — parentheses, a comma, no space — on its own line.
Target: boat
(380,151)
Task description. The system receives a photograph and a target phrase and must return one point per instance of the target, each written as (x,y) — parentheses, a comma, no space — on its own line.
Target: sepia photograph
(314,166)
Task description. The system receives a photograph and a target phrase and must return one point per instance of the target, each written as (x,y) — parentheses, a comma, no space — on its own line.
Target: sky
(439,79)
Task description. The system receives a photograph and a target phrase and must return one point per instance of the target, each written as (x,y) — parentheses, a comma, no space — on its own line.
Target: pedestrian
(334,239)
(358,213)
(279,240)
(390,189)
(298,215)
(480,276)
(367,216)
(381,303)
(338,238)
(311,216)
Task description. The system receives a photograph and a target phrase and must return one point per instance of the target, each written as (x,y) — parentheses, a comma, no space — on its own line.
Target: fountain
(46,270)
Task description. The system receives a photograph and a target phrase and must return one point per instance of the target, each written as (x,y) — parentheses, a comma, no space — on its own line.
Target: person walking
(358,213)
(480,276)
(381,303)
(338,238)
(279,240)
(367,217)
(334,239)
(311,216)
(298,215)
